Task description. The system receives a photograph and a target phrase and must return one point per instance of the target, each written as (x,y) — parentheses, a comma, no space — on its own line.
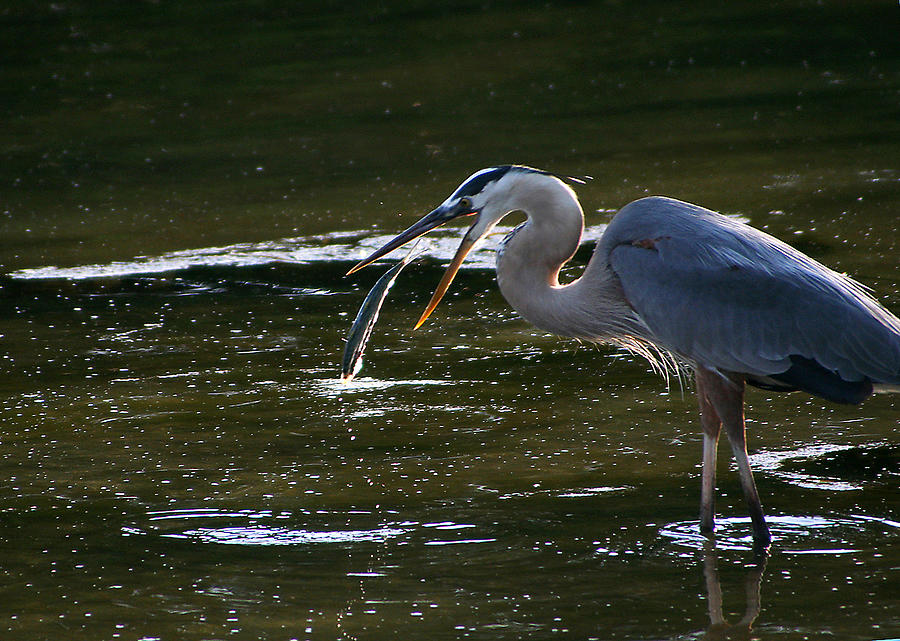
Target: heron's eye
(465,203)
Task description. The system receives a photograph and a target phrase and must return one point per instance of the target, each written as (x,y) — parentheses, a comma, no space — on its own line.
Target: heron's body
(668,277)
(709,289)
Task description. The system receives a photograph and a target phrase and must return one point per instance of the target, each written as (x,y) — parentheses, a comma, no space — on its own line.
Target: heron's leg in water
(737,438)
(726,396)
(711,425)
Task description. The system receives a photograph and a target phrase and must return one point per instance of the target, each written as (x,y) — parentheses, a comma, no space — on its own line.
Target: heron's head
(487,195)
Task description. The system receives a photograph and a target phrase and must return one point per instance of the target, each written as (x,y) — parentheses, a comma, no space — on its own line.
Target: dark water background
(183,186)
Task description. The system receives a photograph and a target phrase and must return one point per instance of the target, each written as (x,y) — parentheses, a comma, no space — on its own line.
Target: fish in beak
(444,213)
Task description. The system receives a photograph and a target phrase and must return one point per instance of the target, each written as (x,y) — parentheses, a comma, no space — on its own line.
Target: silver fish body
(362,327)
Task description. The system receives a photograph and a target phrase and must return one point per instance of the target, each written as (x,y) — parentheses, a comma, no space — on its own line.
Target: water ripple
(790,534)
(268,528)
(335,387)
(260,535)
(789,465)
(338,246)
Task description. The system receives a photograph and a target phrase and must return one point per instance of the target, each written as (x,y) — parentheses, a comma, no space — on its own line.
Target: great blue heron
(673,281)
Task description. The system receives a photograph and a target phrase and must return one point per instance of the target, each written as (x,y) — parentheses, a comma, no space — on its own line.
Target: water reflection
(719,627)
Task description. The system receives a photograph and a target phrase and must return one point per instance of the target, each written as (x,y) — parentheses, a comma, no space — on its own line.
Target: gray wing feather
(732,297)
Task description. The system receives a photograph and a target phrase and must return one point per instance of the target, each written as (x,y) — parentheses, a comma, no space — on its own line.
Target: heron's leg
(711,425)
(731,409)
(737,438)
(708,484)
(726,395)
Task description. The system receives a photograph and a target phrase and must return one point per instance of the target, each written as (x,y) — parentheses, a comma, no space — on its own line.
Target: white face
(489,195)
(476,190)
(488,191)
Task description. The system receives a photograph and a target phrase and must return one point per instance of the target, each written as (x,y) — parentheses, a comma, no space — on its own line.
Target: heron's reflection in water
(719,627)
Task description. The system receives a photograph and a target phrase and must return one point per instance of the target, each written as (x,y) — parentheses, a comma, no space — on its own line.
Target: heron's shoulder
(663,212)
(685,233)
(660,216)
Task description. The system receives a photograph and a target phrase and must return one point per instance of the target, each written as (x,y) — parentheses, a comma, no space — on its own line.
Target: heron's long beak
(436,218)
(464,248)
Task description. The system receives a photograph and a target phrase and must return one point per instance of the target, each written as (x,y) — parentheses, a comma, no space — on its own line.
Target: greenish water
(183,186)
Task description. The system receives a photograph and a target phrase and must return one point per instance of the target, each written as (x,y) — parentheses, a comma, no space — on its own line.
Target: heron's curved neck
(528,268)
